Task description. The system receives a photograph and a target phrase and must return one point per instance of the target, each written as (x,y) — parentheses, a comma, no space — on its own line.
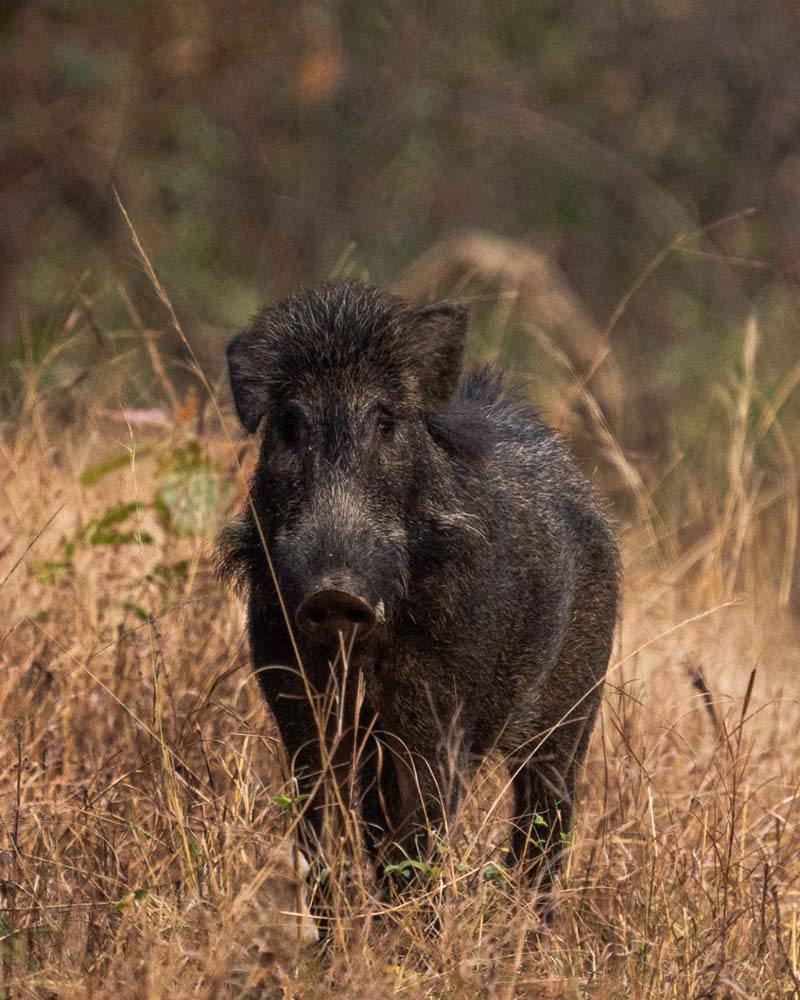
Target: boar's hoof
(327,613)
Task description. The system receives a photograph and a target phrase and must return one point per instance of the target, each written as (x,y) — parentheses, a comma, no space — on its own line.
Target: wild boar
(421,551)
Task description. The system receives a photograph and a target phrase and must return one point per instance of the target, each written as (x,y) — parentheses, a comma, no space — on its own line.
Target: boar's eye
(384,427)
(290,426)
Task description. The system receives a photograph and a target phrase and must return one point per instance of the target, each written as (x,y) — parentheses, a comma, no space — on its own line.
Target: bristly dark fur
(345,327)
(443,502)
(238,550)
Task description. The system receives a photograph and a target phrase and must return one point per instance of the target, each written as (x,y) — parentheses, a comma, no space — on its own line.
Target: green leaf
(120,538)
(189,490)
(403,868)
(494,873)
(187,501)
(115,514)
(170,574)
(47,572)
(102,530)
(94,473)
(285,800)
(409,865)
(137,611)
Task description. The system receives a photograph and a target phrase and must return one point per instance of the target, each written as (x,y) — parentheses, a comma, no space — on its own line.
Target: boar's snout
(326,613)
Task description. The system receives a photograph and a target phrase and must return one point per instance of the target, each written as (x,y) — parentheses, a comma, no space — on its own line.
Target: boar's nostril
(360,616)
(326,613)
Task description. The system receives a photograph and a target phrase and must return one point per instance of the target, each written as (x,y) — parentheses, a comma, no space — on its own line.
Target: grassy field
(146,825)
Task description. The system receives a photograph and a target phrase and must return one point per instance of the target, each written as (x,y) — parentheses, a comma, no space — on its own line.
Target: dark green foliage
(253,147)
(111,528)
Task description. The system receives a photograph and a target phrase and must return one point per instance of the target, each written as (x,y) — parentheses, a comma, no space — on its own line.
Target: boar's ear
(247,369)
(440,332)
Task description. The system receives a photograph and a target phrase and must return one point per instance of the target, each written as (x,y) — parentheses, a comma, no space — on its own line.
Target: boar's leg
(544,790)
(414,798)
(324,781)
(379,796)
(323,775)
(327,781)
(542,818)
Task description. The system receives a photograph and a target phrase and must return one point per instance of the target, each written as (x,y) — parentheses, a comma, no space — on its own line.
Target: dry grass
(146,847)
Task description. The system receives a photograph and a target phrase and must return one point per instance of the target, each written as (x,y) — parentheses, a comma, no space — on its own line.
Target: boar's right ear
(441,331)
(247,369)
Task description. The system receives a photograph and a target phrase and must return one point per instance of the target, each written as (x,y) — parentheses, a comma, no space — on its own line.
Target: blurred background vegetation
(622,178)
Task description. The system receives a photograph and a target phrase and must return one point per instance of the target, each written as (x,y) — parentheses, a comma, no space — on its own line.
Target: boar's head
(349,385)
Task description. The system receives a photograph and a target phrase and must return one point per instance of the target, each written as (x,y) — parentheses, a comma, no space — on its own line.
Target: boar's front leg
(321,766)
(379,796)
(320,757)
(408,799)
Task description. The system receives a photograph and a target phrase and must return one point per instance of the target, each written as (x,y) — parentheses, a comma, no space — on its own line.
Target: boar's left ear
(441,331)
(247,369)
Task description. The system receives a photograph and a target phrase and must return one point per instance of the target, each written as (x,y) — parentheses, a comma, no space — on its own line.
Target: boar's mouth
(330,612)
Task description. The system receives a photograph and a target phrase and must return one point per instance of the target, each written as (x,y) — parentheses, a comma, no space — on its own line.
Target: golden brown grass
(145,841)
